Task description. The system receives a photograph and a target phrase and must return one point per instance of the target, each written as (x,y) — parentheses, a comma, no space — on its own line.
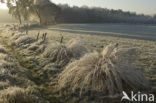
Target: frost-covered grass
(36,61)
(109,72)
(147,60)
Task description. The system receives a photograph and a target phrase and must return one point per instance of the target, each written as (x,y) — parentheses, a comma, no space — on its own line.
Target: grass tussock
(109,72)
(58,54)
(19,95)
(61,54)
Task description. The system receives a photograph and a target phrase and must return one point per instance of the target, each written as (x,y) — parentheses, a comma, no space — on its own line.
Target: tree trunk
(19,16)
(39,16)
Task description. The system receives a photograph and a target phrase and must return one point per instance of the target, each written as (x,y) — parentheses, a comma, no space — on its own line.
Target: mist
(5,17)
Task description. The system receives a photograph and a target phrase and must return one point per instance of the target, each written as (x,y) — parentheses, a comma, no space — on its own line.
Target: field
(132,31)
(36,65)
(97,36)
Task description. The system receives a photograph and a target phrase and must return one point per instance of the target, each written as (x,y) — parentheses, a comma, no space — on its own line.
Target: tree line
(44,12)
(85,14)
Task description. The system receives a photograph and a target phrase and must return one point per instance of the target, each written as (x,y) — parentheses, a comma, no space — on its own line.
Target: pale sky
(139,6)
(3,6)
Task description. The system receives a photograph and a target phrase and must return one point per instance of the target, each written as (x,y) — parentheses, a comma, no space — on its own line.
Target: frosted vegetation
(74,63)
(37,67)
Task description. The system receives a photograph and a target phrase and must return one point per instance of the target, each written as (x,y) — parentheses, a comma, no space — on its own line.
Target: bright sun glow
(3,6)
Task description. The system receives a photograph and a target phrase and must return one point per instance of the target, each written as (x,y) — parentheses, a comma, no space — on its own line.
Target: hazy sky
(139,6)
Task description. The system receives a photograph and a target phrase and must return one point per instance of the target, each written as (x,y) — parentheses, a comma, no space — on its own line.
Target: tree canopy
(44,11)
(41,11)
